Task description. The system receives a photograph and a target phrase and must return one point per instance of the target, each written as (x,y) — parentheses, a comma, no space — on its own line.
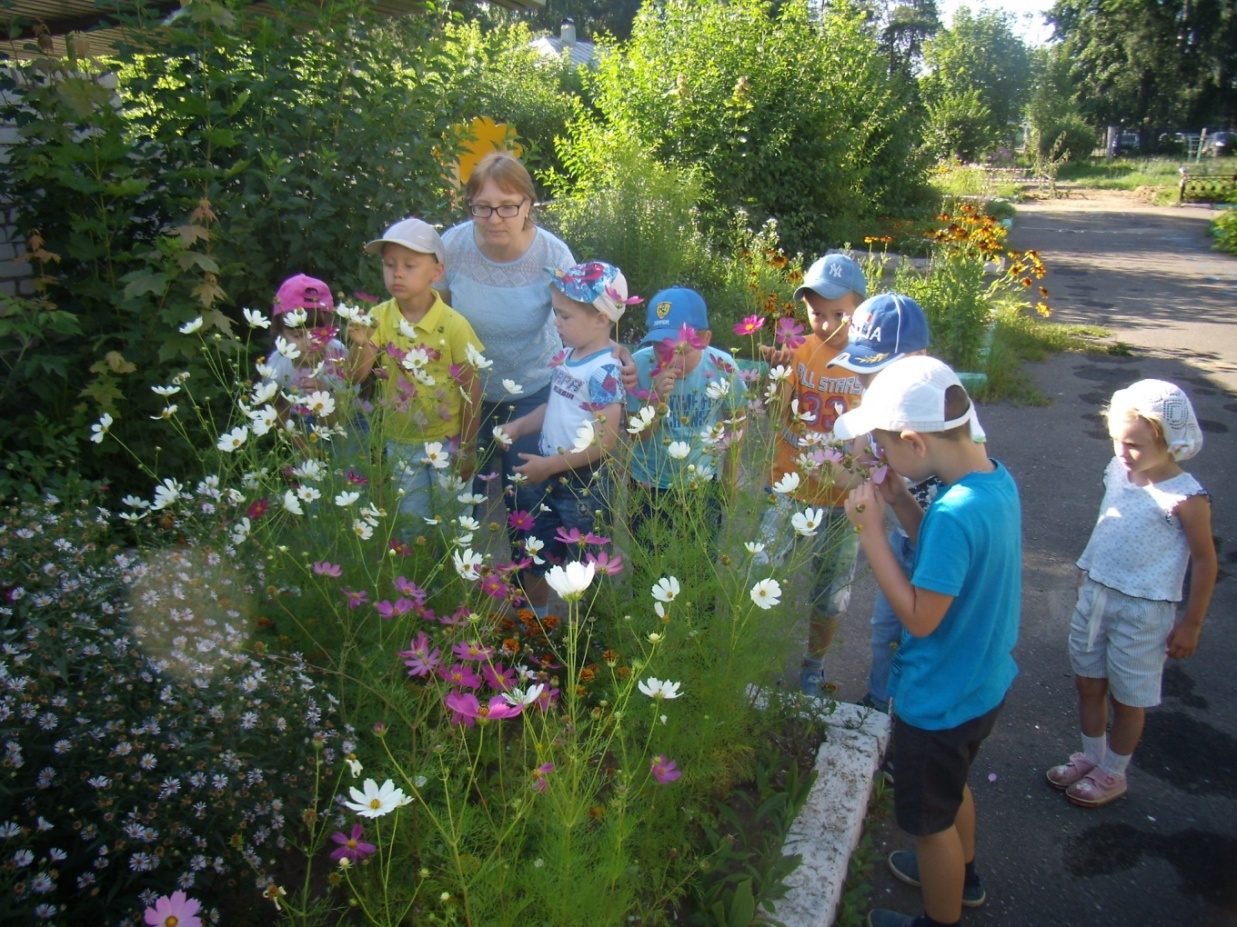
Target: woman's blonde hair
(508,173)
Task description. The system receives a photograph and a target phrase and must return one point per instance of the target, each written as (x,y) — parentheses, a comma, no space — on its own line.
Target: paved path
(1167,853)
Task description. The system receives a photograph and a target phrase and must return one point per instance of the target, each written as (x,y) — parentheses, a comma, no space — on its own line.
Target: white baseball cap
(908,396)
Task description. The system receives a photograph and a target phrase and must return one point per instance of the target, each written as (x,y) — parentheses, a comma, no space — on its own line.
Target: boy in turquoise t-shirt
(685,413)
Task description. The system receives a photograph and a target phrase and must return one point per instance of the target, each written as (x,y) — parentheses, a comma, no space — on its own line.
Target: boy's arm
(362,353)
(539,469)
(1195,515)
(920,610)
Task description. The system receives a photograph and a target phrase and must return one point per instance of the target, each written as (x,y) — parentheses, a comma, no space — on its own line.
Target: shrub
(1224,228)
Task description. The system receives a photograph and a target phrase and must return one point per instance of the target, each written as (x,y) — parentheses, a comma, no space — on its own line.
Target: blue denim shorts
(575,499)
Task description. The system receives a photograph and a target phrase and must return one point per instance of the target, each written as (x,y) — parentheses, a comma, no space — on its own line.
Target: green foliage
(1224,228)
(958,125)
(237,149)
(780,116)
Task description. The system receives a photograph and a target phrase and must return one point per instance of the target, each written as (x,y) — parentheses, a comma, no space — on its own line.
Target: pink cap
(303,292)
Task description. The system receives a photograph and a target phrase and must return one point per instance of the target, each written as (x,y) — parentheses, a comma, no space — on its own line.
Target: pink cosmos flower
(411,589)
(607,564)
(664,769)
(498,677)
(461,675)
(419,658)
(467,710)
(750,325)
(495,586)
(258,509)
(388,610)
(558,358)
(355,599)
(328,569)
(176,910)
(539,776)
(352,847)
(472,650)
(789,333)
(356,479)
(520,521)
(574,537)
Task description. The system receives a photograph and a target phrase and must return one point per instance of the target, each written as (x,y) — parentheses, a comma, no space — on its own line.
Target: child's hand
(665,381)
(865,509)
(358,334)
(1183,640)
(538,469)
(776,356)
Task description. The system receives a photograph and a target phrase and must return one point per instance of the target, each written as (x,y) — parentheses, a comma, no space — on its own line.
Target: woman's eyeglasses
(505,211)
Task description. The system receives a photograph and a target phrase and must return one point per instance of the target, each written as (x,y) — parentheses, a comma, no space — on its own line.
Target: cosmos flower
(372,801)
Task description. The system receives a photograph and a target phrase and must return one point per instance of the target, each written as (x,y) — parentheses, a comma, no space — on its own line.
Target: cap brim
(859,360)
(823,290)
(853,424)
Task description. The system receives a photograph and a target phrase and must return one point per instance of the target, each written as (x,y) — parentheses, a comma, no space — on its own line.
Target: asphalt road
(1166,854)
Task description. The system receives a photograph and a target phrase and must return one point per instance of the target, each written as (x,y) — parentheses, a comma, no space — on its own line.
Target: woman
(498,277)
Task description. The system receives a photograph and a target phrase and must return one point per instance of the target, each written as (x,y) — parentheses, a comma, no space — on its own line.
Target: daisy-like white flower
(779,373)
(641,420)
(658,688)
(571,580)
(713,435)
(788,483)
(533,547)
(666,589)
(467,564)
(524,697)
(265,370)
(468,523)
(766,593)
(436,456)
(99,429)
(240,531)
(135,502)
(362,529)
(168,412)
(292,503)
(753,547)
(717,389)
(255,318)
(374,801)
(805,416)
(354,765)
(320,403)
(585,438)
(808,521)
(190,327)
(678,450)
(166,493)
(310,469)
(231,440)
(309,493)
(165,391)
(345,499)
(264,392)
(477,359)
(501,436)
(287,348)
(512,387)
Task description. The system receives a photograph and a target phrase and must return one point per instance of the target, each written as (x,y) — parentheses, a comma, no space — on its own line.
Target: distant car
(1218,144)
(1128,141)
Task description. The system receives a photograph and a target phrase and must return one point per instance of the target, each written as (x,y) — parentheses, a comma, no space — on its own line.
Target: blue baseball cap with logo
(833,276)
(671,309)
(883,328)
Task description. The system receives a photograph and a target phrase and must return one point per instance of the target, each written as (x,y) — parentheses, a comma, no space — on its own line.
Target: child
(960,609)
(884,329)
(813,399)
(1154,519)
(308,355)
(430,396)
(579,423)
(697,397)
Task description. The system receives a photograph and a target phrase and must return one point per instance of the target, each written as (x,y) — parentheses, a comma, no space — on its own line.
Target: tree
(910,23)
(979,59)
(1152,62)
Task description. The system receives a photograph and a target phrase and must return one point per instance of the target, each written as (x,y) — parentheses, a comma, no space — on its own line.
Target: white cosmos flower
(468,523)
(320,403)
(372,801)
(753,547)
(345,499)
(240,531)
(678,449)
(406,329)
(296,318)
(717,389)
(585,437)
(362,529)
(135,502)
(666,589)
(807,521)
(165,391)
(264,392)
(310,469)
(714,434)
(534,546)
(292,503)
(436,457)
(512,387)
(265,370)
(233,439)
(190,327)
(467,564)
(99,429)
(309,493)
(641,420)
(804,416)
(524,697)
(263,419)
(517,478)
(767,593)
(168,412)
(657,688)
(470,498)
(571,580)
(501,436)
(779,373)
(255,318)
(354,765)
(166,493)
(477,359)
(286,348)
(788,483)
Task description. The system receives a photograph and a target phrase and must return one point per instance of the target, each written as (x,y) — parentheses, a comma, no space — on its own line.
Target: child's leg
(1127,730)
(1092,705)
(941,871)
(834,555)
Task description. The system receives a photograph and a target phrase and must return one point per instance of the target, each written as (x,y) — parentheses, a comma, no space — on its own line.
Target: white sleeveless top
(1138,546)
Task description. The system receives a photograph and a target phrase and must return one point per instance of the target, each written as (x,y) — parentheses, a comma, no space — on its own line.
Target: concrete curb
(828,828)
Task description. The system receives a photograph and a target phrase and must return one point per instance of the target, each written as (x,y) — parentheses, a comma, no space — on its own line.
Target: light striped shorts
(1122,639)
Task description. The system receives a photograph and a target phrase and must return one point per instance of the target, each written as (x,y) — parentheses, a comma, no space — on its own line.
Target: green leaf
(140,282)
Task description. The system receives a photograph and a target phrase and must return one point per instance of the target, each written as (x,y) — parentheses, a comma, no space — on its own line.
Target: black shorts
(931,769)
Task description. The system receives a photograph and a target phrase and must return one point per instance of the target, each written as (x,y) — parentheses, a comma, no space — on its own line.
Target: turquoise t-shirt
(691,411)
(970,547)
